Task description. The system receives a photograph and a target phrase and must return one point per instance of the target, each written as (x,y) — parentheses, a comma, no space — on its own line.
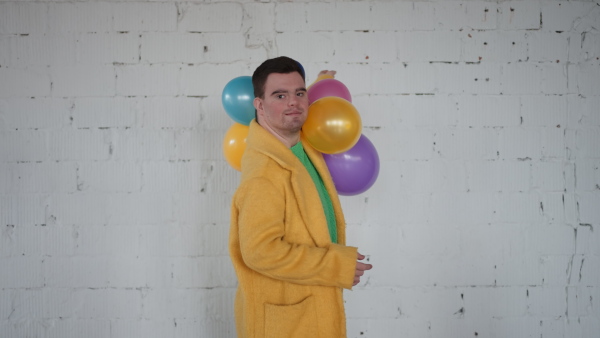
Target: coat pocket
(296,320)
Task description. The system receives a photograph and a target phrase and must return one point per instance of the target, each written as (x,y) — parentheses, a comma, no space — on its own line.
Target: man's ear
(258,105)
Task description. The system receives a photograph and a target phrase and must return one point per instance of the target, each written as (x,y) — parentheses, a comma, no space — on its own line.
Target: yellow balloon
(333,125)
(234,144)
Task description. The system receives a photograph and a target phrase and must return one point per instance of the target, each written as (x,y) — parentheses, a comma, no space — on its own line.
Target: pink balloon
(328,87)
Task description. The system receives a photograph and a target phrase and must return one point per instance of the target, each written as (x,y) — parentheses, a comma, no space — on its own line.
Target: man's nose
(293,100)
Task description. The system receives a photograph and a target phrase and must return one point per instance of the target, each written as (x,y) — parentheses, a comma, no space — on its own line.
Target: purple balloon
(328,87)
(355,170)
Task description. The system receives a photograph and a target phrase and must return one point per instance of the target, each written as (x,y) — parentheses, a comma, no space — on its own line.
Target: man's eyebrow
(279,91)
(283,91)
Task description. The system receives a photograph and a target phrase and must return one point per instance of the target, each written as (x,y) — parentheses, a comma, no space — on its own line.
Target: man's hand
(324,74)
(360,269)
(327,74)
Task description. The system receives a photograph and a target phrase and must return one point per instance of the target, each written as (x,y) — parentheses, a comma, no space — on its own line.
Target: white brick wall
(114,193)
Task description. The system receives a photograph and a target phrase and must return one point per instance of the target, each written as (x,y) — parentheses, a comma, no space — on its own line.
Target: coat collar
(262,141)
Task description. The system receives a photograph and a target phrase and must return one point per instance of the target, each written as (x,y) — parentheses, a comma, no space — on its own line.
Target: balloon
(321,77)
(356,170)
(333,125)
(301,68)
(328,87)
(237,98)
(234,144)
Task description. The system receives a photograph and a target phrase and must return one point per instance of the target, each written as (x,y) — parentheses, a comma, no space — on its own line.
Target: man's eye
(280,96)
(301,94)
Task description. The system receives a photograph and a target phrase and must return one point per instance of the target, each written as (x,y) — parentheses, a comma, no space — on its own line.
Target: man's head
(281,100)
(282,65)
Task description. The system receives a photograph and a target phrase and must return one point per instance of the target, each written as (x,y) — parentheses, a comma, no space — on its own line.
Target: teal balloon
(302,69)
(237,99)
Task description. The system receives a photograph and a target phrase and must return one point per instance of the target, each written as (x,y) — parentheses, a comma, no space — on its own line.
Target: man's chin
(296,125)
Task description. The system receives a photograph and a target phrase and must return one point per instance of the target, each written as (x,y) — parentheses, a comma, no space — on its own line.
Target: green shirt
(298,150)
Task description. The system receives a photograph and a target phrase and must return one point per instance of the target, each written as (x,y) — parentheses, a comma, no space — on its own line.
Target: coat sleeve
(264,249)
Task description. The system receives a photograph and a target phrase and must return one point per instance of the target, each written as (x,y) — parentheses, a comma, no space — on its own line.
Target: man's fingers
(360,269)
(327,72)
(363,266)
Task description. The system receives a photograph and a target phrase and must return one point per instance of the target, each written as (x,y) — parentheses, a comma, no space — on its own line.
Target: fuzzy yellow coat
(290,274)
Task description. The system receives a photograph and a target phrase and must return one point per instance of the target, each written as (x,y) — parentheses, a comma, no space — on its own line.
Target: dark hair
(281,65)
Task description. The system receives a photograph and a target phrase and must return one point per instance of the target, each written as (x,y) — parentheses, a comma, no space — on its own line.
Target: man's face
(284,107)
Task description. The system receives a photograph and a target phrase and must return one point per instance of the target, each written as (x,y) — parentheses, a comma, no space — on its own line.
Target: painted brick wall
(114,194)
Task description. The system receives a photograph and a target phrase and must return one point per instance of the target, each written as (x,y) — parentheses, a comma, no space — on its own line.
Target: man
(287,239)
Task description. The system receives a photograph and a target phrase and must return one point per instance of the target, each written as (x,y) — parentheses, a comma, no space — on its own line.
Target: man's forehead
(279,79)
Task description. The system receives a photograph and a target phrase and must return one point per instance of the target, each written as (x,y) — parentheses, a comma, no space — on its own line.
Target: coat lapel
(309,204)
(307,196)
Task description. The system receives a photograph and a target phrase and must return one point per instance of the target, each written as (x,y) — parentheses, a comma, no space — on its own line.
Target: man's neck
(288,140)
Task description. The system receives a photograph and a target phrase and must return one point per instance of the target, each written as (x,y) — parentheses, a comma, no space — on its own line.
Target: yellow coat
(290,274)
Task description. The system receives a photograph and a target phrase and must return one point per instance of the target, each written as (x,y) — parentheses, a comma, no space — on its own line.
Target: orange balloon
(234,144)
(333,125)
